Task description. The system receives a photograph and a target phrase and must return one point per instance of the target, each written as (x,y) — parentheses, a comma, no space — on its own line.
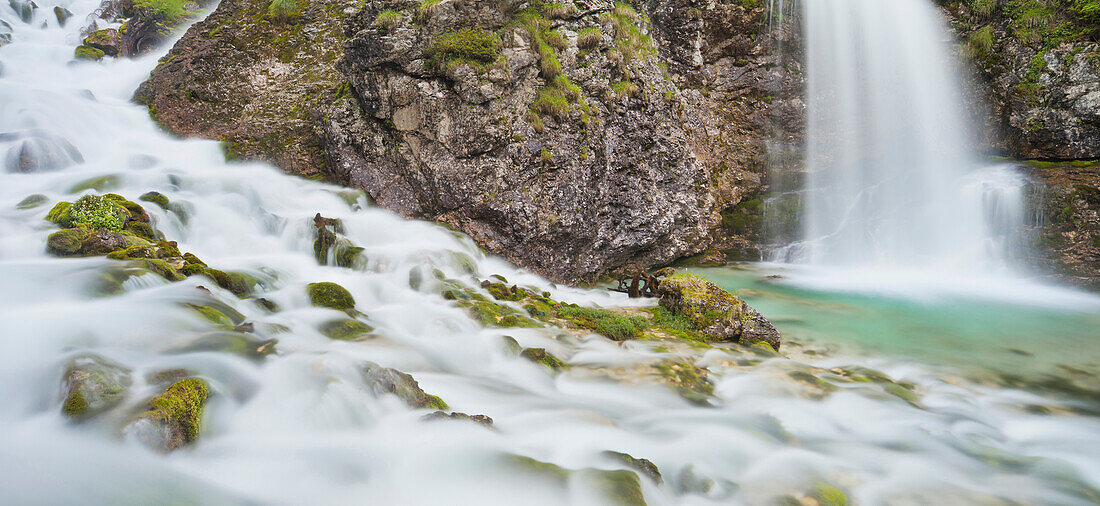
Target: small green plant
(546,155)
(549,67)
(427,8)
(980,43)
(467,45)
(626,88)
(558,10)
(615,326)
(283,9)
(387,19)
(96,211)
(589,38)
(557,41)
(552,102)
(169,11)
(88,53)
(983,8)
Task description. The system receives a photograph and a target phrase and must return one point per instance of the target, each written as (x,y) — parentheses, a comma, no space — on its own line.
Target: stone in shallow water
(482,420)
(383,380)
(38,152)
(93,385)
(174,417)
(718,314)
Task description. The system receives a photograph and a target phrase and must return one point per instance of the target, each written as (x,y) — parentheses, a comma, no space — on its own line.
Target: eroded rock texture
(571,138)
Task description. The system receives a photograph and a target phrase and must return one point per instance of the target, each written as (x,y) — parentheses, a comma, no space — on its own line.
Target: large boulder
(569,139)
(174,417)
(717,314)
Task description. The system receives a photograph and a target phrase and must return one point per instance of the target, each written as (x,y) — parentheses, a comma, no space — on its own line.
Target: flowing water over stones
(218,384)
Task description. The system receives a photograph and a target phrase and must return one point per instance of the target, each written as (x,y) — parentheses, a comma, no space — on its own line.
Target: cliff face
(571,138)
(1036,76)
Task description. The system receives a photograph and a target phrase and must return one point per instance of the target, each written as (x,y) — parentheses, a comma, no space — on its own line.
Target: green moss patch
(608,323)
(472,46)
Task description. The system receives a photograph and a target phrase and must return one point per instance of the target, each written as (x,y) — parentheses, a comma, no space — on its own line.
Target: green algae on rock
(541,356)
(92,385)
(383,380)
(32,201)
(716,313)
(643,466)
(174,418)
(689,380)
(330,295)
(608,323)
(345,329)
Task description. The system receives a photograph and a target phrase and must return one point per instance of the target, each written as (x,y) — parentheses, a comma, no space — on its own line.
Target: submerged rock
(716,313)
(24,9)
(345,329)
(643,466)
(330,295)
(383,380)
(174,418)
(39,152)
(62,14)
(481,420)
(541,356)
(92,385)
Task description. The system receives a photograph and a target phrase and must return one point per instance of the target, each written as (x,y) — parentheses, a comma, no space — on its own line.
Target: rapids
(300,428)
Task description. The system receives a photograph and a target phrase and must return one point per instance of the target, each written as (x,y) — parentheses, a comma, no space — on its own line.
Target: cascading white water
(300,426)
(892,180)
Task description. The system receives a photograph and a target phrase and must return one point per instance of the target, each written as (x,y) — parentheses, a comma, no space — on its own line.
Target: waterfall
(893,182)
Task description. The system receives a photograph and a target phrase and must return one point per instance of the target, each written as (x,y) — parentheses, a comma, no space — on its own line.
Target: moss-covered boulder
(714,312)
(541,356)
(345,329)
(174,418)
(241,344)
(383,380)
(32,201)
(643,466)
(92,385)
(330,295)
(88,53)
(690,381)
(617,487)
(106,40)
(328,245)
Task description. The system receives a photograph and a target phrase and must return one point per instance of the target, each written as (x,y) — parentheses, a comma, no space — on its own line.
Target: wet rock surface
(718,314)
(571,143)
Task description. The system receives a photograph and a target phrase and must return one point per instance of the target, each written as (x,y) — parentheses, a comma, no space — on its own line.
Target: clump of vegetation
(559,10)
(557,97)
(608,323)
(387,19)
(552,102)
(625,88)
(589,38)
(283,10)
(96,211)
(427,8)
(168,11)
(980,43)
(473,46)
(179,412)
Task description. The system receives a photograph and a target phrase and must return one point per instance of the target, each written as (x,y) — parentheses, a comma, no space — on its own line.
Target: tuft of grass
(557,41)
(549,67)
(625,10)
(467,45)
(536,121)
(568,89)
(983,8)
(427,8)
(559,10)
(613,325)
(283,9)
(170,11)
(589,38)
(626,88)
(980,43)
(551,102)
(387,19)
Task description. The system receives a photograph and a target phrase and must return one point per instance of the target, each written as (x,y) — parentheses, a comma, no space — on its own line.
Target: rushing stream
(961,417)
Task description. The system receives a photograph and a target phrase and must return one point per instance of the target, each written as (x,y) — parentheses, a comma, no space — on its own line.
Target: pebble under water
(299,426)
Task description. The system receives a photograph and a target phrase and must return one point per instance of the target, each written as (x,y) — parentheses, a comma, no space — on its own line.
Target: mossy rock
(213,316)
(345,329)
(690,382)
(511,345)
(92,385)
(643,466)
(96,211)
(541,356)
(236,343)
(828,495)
(241,284)
(715,313)
(619,487)
(383,380)
(161,268)
(100,184)
(65,243)
(32,201)
(330,295)
(156,198)
(89,53)
(174,417)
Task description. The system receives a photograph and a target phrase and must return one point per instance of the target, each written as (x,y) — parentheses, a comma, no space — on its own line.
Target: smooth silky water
(300,427)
